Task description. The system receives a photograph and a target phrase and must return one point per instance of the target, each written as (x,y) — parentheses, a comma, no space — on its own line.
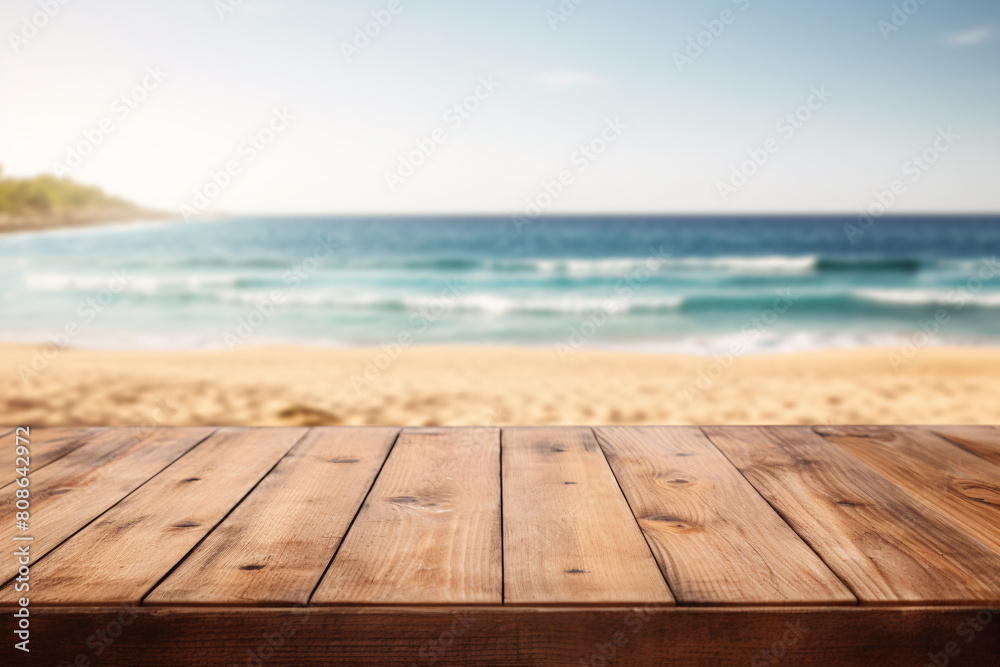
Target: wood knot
(252,567)
(870,432)
(435,504)
(668,522)
(343,460)
(575,571)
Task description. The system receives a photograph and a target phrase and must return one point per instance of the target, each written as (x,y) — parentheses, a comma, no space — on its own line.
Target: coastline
(10,224)
(433,386)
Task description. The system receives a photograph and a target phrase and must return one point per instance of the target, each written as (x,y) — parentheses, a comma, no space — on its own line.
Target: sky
(651,106)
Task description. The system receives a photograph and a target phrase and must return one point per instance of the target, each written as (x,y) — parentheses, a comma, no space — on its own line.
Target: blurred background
(226,211)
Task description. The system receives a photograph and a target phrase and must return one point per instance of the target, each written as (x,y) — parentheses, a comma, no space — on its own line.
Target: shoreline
(40,223)
(438,386)
(697,347)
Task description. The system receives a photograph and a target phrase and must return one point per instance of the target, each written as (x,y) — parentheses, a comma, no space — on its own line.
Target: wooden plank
(429,531)
(120,557)
(716,540)
(46,445)
(505,636)
(275,546)
(888,547)
(948,478)
(983,441)
(74,490)
(569,535)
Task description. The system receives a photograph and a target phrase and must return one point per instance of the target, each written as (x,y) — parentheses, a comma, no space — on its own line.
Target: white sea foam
(68,282)
(491,304)
(918,297)
(623,266)
(769,264)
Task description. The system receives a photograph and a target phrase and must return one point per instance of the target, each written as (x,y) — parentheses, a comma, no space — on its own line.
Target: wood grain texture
(888,547)
(983,441)
(120,557)
(511,636)
(275,546)
(946,477)
(569,535)
(46,445)
(716,540)
(77,488)
(435,525)
(429,531)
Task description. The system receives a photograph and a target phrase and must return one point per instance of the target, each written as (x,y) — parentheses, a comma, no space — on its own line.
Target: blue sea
(680,284)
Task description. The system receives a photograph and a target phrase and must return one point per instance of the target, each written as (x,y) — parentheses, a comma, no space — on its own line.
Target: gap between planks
(48,446)
(887,545)
(354,518)
(72,527)
(717,540)
(502,508)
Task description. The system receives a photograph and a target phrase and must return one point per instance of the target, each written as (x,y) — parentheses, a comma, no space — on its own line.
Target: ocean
(677,284)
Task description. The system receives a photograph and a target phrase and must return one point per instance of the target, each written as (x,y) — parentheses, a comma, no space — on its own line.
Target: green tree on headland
(47,195)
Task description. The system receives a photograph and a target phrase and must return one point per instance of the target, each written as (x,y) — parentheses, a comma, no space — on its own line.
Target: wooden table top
(180,525)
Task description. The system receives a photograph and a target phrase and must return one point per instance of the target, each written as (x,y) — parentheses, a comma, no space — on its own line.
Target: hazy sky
(673,129)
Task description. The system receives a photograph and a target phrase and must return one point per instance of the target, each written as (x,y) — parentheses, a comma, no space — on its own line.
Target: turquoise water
(677,284)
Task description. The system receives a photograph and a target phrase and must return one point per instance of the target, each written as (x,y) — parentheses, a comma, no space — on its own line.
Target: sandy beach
(439,386)
(71,219)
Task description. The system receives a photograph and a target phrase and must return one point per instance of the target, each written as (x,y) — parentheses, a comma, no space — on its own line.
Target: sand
(445,386)
(95,217)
